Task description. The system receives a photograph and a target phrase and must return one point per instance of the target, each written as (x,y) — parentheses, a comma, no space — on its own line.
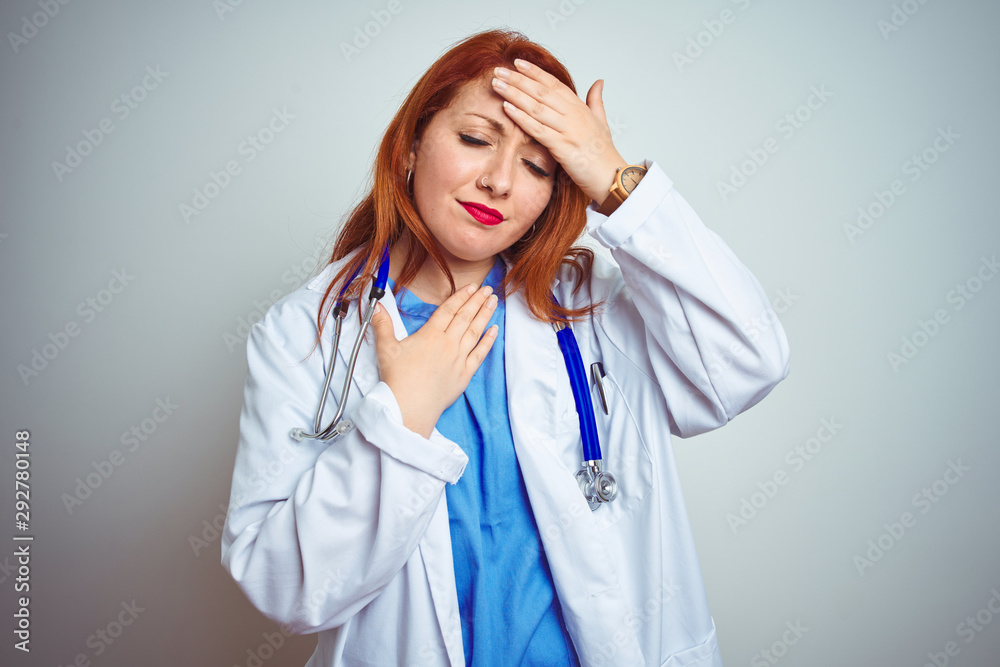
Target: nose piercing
(484,182)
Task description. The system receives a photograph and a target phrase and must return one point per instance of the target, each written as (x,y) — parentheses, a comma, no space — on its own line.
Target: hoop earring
(409,180)
(530,235)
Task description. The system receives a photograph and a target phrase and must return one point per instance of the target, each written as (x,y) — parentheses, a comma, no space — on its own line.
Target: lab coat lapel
(591,597)
(435,548)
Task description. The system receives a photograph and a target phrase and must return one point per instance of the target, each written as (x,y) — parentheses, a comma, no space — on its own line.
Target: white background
(173,332)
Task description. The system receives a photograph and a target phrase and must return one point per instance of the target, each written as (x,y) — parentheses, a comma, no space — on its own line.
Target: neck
(430,284)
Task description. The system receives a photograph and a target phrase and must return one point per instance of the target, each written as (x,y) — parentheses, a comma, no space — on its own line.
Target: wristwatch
(626,178)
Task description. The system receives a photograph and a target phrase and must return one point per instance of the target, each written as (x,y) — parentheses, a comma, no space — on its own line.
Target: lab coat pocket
(625,452)
(705,654)
(623,448)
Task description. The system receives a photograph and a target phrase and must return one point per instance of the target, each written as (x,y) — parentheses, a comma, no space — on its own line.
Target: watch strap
(618,193)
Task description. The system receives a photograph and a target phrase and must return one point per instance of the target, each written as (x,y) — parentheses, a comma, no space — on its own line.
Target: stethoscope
(598,486)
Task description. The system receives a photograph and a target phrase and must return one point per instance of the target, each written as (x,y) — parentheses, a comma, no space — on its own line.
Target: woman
(446,526)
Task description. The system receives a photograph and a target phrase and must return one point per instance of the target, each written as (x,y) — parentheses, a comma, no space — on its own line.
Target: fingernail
(487,290)
(502,72)
(471,289)
(492,301)
(499,85)
(521,64)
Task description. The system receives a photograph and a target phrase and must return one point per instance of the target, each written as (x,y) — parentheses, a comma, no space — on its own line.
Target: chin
(470,254)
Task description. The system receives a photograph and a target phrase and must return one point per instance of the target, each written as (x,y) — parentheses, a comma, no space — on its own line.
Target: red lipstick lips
(483,214)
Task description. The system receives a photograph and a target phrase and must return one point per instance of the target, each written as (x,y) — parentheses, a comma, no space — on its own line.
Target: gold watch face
(631,177)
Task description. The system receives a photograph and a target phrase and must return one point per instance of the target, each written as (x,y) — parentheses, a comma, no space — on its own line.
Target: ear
(412,161)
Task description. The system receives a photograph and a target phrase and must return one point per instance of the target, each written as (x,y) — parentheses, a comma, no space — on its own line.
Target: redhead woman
(455,511)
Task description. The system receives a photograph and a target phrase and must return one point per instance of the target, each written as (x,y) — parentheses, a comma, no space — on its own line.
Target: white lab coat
(351,540)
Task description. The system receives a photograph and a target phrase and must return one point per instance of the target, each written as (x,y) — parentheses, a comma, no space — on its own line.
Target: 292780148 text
(22,523)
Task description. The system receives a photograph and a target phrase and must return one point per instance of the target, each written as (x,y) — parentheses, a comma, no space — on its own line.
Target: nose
(498,174)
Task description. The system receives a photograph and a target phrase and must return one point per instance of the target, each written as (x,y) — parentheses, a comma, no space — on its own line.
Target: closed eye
(472,140)
(479,142)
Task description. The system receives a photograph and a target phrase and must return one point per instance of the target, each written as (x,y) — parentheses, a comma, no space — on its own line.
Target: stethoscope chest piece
(596,485)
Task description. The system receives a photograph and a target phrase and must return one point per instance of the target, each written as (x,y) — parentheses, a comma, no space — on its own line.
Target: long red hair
(388,208)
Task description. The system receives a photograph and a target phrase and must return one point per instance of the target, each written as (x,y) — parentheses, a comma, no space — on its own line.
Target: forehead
(476,101)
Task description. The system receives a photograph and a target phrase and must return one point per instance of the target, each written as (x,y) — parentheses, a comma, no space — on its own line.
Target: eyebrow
(498,126)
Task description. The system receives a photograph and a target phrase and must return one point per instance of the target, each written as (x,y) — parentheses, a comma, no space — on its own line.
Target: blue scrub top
(510,612)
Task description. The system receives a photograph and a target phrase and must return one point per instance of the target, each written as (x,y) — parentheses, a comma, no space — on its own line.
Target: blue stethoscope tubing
(597,486)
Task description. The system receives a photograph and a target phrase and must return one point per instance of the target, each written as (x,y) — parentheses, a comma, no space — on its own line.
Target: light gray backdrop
(847,151)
